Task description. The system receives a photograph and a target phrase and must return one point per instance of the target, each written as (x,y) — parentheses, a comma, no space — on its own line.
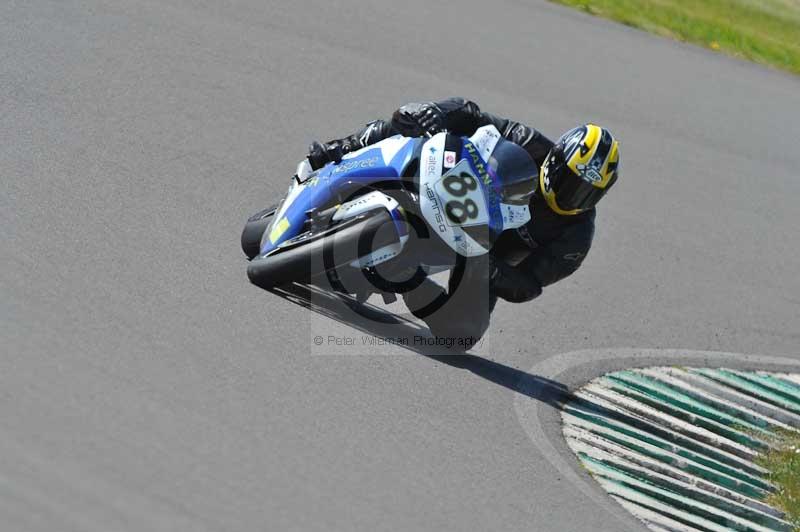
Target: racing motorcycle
(392,213)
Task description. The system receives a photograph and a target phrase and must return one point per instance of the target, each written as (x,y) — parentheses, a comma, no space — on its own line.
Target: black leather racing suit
(556,244)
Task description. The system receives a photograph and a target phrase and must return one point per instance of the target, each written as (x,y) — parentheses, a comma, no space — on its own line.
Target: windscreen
(516,170)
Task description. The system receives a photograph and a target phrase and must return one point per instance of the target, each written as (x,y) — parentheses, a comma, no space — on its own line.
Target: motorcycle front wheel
(316,252)
(254,230)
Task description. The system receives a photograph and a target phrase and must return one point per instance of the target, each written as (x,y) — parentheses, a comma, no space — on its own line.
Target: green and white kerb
(677,446)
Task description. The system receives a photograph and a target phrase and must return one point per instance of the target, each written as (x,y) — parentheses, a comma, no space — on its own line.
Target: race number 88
(458,186)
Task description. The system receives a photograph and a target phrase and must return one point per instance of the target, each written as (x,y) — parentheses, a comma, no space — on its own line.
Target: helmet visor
(573,192)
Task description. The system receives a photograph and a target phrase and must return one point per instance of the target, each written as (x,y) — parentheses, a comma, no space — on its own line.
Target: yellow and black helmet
(580,169)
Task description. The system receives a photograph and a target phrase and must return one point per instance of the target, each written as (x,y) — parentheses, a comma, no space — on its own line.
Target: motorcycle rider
(575,172)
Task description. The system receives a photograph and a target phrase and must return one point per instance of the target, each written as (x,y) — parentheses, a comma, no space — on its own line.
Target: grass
(765,31)
(783,463)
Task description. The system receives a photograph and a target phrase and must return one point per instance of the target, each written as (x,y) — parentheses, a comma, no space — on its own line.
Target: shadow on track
(375,321)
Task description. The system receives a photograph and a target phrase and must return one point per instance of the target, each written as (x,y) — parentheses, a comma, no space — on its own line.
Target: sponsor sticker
(514,215)
(278,230)
(346,166)
(449,159)
(593,175)
(589,173)
(435,209)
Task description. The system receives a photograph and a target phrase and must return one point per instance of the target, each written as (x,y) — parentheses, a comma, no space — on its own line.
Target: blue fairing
(336,182)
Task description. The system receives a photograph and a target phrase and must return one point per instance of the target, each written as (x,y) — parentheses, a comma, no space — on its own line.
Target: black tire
(254,230)
(331,248)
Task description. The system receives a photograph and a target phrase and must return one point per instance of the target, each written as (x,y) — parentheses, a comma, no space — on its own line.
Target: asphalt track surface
(147,386)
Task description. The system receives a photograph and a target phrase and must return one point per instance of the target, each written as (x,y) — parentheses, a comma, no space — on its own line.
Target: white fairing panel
(362,204)
(389,147)
(380,255)
(485,139)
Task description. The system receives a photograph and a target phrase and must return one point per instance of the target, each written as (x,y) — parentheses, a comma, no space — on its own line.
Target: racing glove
(414,119)
(320,154)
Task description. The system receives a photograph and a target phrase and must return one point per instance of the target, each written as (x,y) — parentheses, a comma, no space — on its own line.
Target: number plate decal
(434,195)
(461,194)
